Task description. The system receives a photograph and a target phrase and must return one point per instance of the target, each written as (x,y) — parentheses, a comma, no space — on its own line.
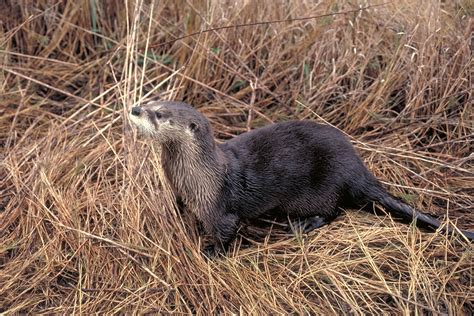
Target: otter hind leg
(308,224)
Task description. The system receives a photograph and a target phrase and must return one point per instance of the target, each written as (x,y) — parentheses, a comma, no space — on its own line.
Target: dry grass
(85,225)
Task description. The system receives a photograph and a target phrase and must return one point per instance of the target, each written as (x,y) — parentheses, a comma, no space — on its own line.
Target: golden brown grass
(86,225)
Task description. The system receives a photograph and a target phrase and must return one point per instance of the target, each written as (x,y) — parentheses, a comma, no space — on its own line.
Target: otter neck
(195,172)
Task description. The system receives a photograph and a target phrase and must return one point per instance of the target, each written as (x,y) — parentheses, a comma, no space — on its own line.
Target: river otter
(299,168)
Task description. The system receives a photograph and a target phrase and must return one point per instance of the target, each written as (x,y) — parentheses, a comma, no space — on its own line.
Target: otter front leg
(222,231)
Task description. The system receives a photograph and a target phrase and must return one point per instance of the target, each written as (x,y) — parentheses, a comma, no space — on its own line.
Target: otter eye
(158,115)
(193,126)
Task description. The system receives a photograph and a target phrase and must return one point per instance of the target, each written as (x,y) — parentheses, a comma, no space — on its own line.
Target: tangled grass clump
(87,225)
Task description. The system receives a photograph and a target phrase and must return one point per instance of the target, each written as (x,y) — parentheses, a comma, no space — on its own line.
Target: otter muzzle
(136,110)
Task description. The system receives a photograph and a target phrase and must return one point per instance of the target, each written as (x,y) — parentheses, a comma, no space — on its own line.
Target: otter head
(170,123)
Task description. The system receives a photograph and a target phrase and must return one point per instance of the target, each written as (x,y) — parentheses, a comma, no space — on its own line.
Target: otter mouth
(140,119)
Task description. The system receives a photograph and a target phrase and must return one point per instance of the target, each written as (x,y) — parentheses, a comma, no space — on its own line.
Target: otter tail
(404,211)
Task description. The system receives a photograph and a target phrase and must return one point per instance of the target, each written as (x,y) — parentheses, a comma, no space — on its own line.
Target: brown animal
(298,168)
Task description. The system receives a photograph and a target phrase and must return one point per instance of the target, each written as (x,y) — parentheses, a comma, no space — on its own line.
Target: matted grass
(87,226)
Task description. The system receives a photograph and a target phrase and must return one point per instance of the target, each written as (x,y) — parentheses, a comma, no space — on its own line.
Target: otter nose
(136,110)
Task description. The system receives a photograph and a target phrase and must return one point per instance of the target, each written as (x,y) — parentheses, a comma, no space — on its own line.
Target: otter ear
(193,127)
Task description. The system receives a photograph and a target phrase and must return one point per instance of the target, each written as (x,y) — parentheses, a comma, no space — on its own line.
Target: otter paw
(306,225)
(211,251)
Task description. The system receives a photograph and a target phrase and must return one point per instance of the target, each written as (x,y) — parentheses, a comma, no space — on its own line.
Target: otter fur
(298,168)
